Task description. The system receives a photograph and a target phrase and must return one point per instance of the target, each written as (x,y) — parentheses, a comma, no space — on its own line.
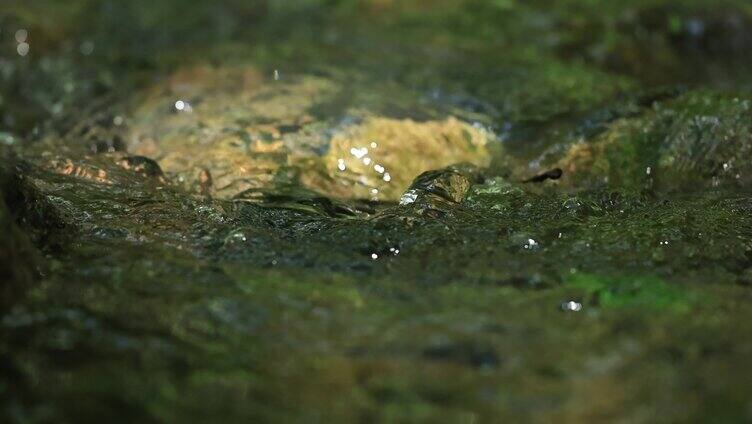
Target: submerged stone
(243,128)
(226,121)
(380,158)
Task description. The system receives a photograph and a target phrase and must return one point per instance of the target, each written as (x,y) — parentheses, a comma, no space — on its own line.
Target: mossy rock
(697,141)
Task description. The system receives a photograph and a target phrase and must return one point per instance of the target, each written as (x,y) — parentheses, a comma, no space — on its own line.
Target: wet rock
(448,185)
(698,141)
(81,169)
(18,258)
(111,168)
(223,120)
(122,199)
(243,128)
(380,158)
(143,166)
(297,198)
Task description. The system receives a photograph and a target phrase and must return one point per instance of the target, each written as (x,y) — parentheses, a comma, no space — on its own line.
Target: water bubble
(21,35)
(86,48)
(341,164)
(374,145)
(531,244)
(276,75)
(378,168)
(387,177)
(22,49)
(374,256)
(571,306)
(183,106)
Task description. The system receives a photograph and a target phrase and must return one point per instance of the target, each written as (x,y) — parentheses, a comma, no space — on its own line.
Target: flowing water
(376,211)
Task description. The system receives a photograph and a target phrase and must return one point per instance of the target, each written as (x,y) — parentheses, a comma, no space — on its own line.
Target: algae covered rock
(700,140)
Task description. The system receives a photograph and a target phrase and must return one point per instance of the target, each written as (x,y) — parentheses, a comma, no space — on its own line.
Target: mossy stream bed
(376,211)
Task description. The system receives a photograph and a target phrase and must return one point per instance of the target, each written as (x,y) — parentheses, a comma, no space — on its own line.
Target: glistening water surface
(376,211)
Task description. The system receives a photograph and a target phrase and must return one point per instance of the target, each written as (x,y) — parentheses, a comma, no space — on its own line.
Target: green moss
(633,292)
(696,141)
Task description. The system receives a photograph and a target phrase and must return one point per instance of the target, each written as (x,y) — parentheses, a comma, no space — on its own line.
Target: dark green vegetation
(621,291)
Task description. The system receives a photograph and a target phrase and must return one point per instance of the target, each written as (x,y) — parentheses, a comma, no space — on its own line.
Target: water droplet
(572,203)
(387,177)
(235,238)
(359,152)
(341,164)
(378,168)
(276,75)
(409,197)
(531,244)
(374,256)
